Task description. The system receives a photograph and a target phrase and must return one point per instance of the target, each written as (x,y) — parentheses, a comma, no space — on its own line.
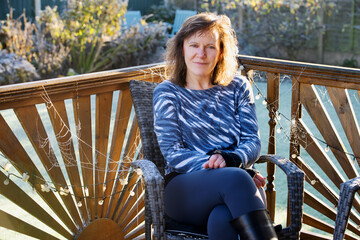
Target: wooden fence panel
(61,127)
(129,153)
(30,120)
(121,123)
(344,109)
(102,126)
(82,115)
(13,150)
(62,132)
(323,135)
(10,222)
(125,214)
(21,199)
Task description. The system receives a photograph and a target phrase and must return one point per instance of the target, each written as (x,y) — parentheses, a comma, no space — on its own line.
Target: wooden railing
(321,153)
(82,173)
(75,138)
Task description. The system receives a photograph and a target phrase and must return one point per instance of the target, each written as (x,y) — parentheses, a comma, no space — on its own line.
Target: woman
(205,122)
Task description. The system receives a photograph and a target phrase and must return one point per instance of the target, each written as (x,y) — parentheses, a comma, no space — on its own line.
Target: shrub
(87,24)
(139,45)
(353,63)
(18,35)
(50,52)
(39,44)
(162,13)
(15,69)
(274,28)
(87,37)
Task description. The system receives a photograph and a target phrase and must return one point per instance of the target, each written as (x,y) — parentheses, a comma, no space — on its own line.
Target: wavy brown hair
(227,64)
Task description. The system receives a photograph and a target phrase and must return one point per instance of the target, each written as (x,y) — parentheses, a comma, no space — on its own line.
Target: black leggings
(212,198)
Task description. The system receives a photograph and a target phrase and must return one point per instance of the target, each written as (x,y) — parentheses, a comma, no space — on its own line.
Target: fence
(29,6)
(342,27)
(143,5)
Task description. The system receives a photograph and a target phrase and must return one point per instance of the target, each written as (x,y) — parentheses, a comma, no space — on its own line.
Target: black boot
(255,225)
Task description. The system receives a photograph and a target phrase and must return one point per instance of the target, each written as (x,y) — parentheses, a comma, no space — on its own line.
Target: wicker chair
(153,171)
(346,197)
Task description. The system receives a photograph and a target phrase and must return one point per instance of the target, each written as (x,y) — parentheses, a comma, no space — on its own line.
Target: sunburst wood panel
(336,165)
(65,143)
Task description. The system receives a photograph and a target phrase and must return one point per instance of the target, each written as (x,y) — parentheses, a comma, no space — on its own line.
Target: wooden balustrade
(96,138)
(328,170)
(79,133)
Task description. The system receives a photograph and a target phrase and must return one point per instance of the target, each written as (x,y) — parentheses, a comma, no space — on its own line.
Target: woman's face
(201,53)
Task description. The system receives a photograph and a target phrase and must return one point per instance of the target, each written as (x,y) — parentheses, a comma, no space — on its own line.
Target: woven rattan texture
(295,180)
(347,193)
(153,170)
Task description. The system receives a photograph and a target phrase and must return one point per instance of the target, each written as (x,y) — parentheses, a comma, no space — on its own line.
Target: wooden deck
(75,138)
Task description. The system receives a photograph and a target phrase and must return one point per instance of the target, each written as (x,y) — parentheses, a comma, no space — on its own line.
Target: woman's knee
(219,226)
(233,178)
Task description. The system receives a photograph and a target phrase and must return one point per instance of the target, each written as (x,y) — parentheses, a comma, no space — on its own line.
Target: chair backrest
(180,17)
(132,18)
(142,96)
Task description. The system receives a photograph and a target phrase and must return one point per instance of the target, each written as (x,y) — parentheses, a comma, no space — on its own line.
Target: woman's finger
(223,164)
(219,163)
(257,183)
(259,180)
(206,165)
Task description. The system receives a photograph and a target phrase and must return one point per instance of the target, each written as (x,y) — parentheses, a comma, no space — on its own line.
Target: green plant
(353,63)
(40,44)
(277,26)
(86,38)
(50,52)
(273,27)
(18,35)
(139,45)
(87,24)
(162,13)
(15,69)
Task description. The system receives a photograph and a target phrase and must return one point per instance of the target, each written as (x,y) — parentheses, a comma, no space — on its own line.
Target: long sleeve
(249,145)
(179,158)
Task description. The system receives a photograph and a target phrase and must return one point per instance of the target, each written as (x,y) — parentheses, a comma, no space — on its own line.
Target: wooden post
(296,113)
(273,92)
(352,30)
(241,17)
(37,4)
(321,34)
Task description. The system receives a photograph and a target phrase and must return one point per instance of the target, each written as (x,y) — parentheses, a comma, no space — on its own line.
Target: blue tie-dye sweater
(190,124)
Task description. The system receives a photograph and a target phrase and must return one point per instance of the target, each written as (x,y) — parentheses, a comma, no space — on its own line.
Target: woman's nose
(201,52)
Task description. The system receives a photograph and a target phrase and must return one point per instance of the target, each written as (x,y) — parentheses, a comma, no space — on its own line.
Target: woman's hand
(259,180)
(215,161)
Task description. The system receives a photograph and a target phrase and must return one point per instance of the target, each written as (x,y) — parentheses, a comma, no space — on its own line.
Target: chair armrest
(295,180)
(346,197)
(154,202)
